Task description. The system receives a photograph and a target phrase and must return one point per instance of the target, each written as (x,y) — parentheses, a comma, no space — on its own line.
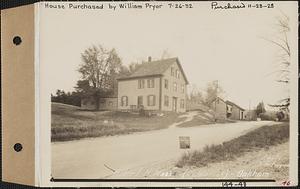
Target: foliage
(61,96)
(213,90)
(134,66)
(280,115)
(273,116)
(260,108)
(100,66)
(83,88)
(195,96)
(99,69)
(270,116)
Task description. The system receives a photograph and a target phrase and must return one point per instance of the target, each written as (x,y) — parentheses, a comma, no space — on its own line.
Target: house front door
(140,101)
(174,104)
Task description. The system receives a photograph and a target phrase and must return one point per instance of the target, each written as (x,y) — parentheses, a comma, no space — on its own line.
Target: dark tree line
(72,98)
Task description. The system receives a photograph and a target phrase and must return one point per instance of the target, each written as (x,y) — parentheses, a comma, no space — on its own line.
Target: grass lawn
(70,123)
(263,137)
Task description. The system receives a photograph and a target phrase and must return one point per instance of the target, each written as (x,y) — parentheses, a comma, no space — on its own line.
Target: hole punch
(17,40)
(18,147)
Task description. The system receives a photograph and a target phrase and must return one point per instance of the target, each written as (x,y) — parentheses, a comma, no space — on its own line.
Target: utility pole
(249,104)
(250,114)
(217,96)
(217,81)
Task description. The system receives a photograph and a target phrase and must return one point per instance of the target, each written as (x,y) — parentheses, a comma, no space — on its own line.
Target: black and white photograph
(170,90)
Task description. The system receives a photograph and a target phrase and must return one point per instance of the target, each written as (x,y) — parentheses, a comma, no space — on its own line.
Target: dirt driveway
(106,156)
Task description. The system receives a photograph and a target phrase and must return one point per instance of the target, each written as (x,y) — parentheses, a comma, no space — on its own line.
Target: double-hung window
(150,83)
(141,83)
(124,101)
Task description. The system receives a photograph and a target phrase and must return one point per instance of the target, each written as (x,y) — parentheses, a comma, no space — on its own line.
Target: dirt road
(272,163)
(106,156)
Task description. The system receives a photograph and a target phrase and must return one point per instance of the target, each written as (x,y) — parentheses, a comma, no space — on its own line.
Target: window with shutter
(141,83)
(182,88)
(175,86)
(124,101)
(166,84)
(150,83)
(177,74)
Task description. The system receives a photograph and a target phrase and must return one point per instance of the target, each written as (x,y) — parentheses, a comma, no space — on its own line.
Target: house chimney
(149,59)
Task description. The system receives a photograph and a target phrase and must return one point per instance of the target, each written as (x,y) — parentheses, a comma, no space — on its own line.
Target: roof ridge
(155,68)
(154,62)
(161,59)
(147,63)
(232,103)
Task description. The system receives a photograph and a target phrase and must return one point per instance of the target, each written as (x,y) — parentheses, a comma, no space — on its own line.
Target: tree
(195,96)
(83,88)
(99,69)
(60,96)
(213,90)
(280,115)
(284,60)
(260,108)
(124,71)
(66,98)
(134,66)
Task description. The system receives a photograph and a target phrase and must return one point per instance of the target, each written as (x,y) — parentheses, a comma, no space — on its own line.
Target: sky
(223,45)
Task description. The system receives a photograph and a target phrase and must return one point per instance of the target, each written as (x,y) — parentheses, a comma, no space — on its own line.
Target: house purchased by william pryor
(156,85)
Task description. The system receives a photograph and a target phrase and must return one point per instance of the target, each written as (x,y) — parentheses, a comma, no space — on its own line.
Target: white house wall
(170,92)
(130,89)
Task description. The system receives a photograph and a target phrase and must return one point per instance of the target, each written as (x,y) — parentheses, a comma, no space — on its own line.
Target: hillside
(71,123)
(203,115)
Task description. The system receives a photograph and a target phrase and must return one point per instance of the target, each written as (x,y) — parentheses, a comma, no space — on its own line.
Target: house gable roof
(216,98)
(233,104)
(154,68)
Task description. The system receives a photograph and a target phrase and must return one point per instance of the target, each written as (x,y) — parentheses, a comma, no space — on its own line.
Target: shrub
(268,116)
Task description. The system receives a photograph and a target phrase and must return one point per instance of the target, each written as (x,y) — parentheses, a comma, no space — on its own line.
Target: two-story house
(156,85)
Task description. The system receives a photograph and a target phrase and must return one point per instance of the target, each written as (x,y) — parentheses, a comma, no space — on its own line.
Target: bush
(269,116)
